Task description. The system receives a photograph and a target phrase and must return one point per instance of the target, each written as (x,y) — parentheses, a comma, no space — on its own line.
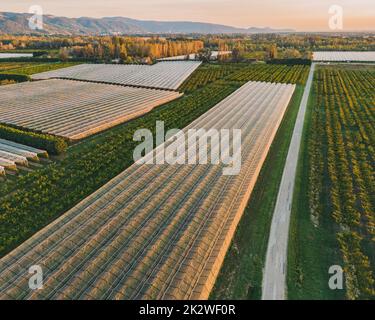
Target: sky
(301,15)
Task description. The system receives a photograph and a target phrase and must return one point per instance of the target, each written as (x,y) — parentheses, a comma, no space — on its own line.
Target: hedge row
(14,77)
(289,62)
(52,144)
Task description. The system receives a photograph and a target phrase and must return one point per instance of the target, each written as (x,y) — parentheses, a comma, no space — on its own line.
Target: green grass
(8,66)
(241,274)
(32,68)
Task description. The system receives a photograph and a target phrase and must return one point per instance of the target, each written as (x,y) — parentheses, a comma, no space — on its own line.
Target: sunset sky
(302,15)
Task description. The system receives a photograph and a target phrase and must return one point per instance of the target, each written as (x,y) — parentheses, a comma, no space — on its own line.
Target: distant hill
(17,23)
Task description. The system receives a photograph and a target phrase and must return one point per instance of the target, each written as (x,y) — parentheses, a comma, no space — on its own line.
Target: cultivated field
(334,206)
(85,167)
(29,68)
(242,73)
(338,56)
(74,109)
(155,231)
(162,75)
(272,73)
(208,73)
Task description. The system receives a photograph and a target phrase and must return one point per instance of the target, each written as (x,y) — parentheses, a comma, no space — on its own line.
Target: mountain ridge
(17,23)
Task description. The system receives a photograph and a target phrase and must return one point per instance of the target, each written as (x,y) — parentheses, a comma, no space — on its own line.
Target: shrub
(14,77)
(52,144)
(289,62)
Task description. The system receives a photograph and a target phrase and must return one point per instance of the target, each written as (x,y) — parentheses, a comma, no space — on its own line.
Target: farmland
(242,73)
(335,213)
(91,163)
(74,109)
(216,152)
(209,73)
(334,202)
(271,73)
(5,66)
(162,75)
(29,68)
(87,166)
(175,240)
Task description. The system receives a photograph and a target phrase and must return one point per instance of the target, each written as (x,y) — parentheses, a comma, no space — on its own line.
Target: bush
(14,77)
(52,144)
(290,62)
(40,53)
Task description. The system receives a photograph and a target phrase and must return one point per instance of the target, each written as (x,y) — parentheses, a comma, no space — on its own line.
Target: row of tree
(132,49)
(341,173)
(144,49)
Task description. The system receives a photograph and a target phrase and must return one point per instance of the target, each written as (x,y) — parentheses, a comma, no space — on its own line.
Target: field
(241,72)
(162,75)
(29,68)
(5,66)
(170,235)
(208,73)
(75,109)
(333,211)
(87,166)
(336,56)
(272,73)
(94,161)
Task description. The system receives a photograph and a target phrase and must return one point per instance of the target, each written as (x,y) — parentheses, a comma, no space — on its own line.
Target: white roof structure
(17,159)
(14,154)
(21,150)
(162,75)
(15,55)
(76,109)
(342,56)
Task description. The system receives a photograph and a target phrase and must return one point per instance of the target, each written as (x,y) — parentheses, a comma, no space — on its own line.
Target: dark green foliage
(52,144)
(271,73)
(14,77)
(291,62)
